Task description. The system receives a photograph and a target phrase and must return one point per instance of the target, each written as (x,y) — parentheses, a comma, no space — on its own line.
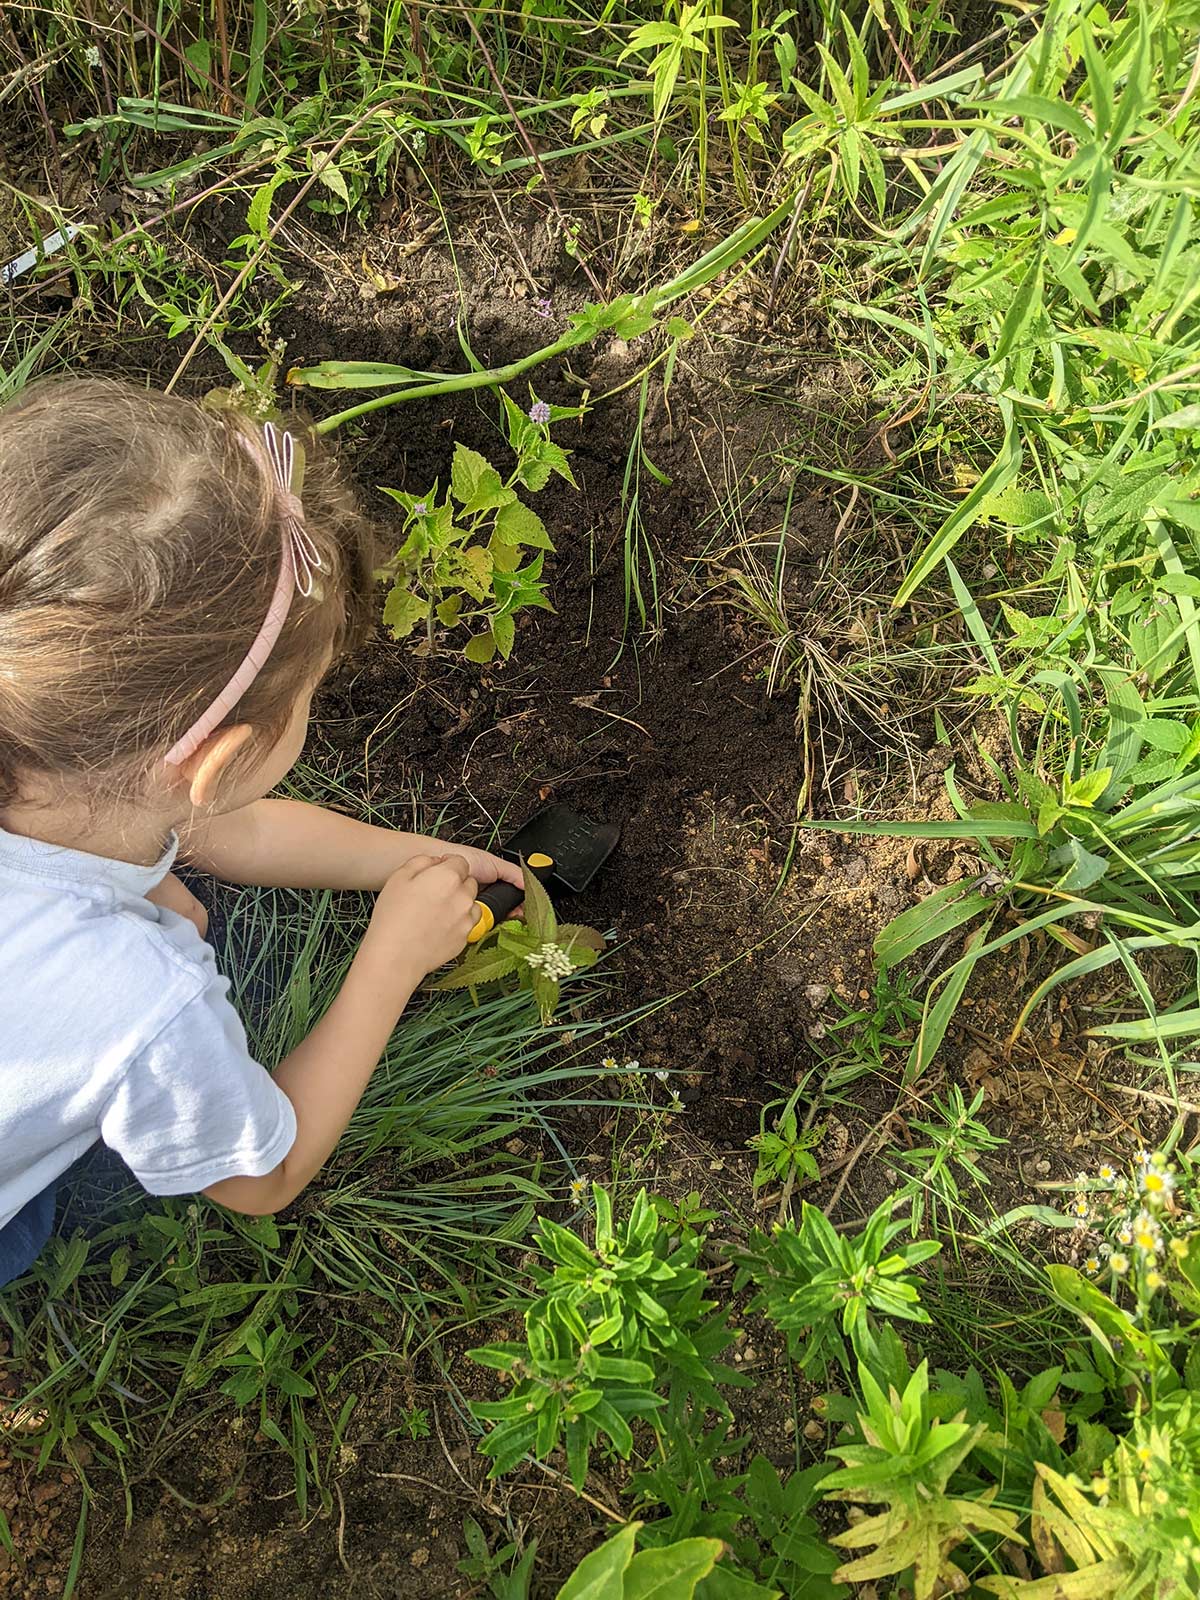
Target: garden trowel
(561,848)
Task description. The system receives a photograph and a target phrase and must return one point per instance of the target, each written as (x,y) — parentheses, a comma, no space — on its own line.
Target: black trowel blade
(578,846)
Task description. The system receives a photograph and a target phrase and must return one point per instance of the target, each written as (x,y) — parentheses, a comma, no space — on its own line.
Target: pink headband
(300,558)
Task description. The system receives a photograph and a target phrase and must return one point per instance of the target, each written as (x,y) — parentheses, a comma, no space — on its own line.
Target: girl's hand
(487,868)
(422,916)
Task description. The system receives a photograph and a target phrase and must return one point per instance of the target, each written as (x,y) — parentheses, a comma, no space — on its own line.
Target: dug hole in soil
(669,733)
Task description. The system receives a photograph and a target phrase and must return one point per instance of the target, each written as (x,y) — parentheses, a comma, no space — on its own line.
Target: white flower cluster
(552,961)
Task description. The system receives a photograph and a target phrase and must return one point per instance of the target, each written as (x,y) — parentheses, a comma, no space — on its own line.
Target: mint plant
(537,950)
(473,557)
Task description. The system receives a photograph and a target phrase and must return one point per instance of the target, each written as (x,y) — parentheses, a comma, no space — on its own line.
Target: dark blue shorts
(22,1239)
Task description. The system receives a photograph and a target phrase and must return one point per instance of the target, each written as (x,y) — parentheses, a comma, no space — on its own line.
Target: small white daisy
(1157,1183)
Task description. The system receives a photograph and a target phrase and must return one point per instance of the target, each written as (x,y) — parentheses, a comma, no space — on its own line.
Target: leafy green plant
(957,1139)
(264,1362)
(903,1460)
(784,1151)
(689,1213)
(460,562)
(536,949)
(827,1290)
(618,1570)
(1089,847)
(760,1514)
(847,127)
(613,1322)
(674,43)
(1134,1531)
(871,1032)
(507,1571)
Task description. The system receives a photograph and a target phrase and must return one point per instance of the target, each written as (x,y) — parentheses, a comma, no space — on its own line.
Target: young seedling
(464,556)
(538,949)
(785,1150)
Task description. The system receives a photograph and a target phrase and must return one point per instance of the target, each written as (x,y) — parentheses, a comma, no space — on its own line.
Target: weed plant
(1080,1479)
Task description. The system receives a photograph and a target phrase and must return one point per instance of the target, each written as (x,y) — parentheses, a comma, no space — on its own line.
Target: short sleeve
(194,1106)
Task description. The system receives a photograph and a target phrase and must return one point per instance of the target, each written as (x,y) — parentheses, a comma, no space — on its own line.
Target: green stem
(456,383)
(745,238)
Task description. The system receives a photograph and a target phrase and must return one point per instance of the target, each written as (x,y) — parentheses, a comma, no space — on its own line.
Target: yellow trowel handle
(498,899)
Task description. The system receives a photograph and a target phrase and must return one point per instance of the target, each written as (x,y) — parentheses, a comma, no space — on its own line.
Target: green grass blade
(998,475)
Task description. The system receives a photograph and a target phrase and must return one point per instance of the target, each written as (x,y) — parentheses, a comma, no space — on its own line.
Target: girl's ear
(204,770)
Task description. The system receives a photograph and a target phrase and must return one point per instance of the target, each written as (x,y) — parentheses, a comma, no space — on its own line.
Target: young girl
(170,597)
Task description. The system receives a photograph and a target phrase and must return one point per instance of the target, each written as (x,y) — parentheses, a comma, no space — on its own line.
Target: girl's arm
(288,844)
(421,919)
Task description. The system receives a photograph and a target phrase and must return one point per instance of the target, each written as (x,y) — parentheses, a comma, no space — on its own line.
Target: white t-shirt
(116,1025)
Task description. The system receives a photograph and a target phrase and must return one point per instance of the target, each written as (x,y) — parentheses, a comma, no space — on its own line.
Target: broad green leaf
(1178,583)
(402,610)
(504,631)
(468,471)
(478,967)
(601,1576)
(540,919)
(258,213)
(481,649)
(1087,789)
(1186,418)
(330,174)
(516,524)
(1083,868)
(672,1571)
(1017,507)
(1163,734)
(724,1584)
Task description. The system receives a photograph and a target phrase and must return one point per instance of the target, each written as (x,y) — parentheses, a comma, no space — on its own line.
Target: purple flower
(420,509)
(539,411)
(542,306)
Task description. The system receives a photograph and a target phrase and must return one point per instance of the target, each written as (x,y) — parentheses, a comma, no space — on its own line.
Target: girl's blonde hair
(139,550)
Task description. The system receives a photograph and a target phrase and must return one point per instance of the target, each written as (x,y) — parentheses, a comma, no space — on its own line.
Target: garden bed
(740,669)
